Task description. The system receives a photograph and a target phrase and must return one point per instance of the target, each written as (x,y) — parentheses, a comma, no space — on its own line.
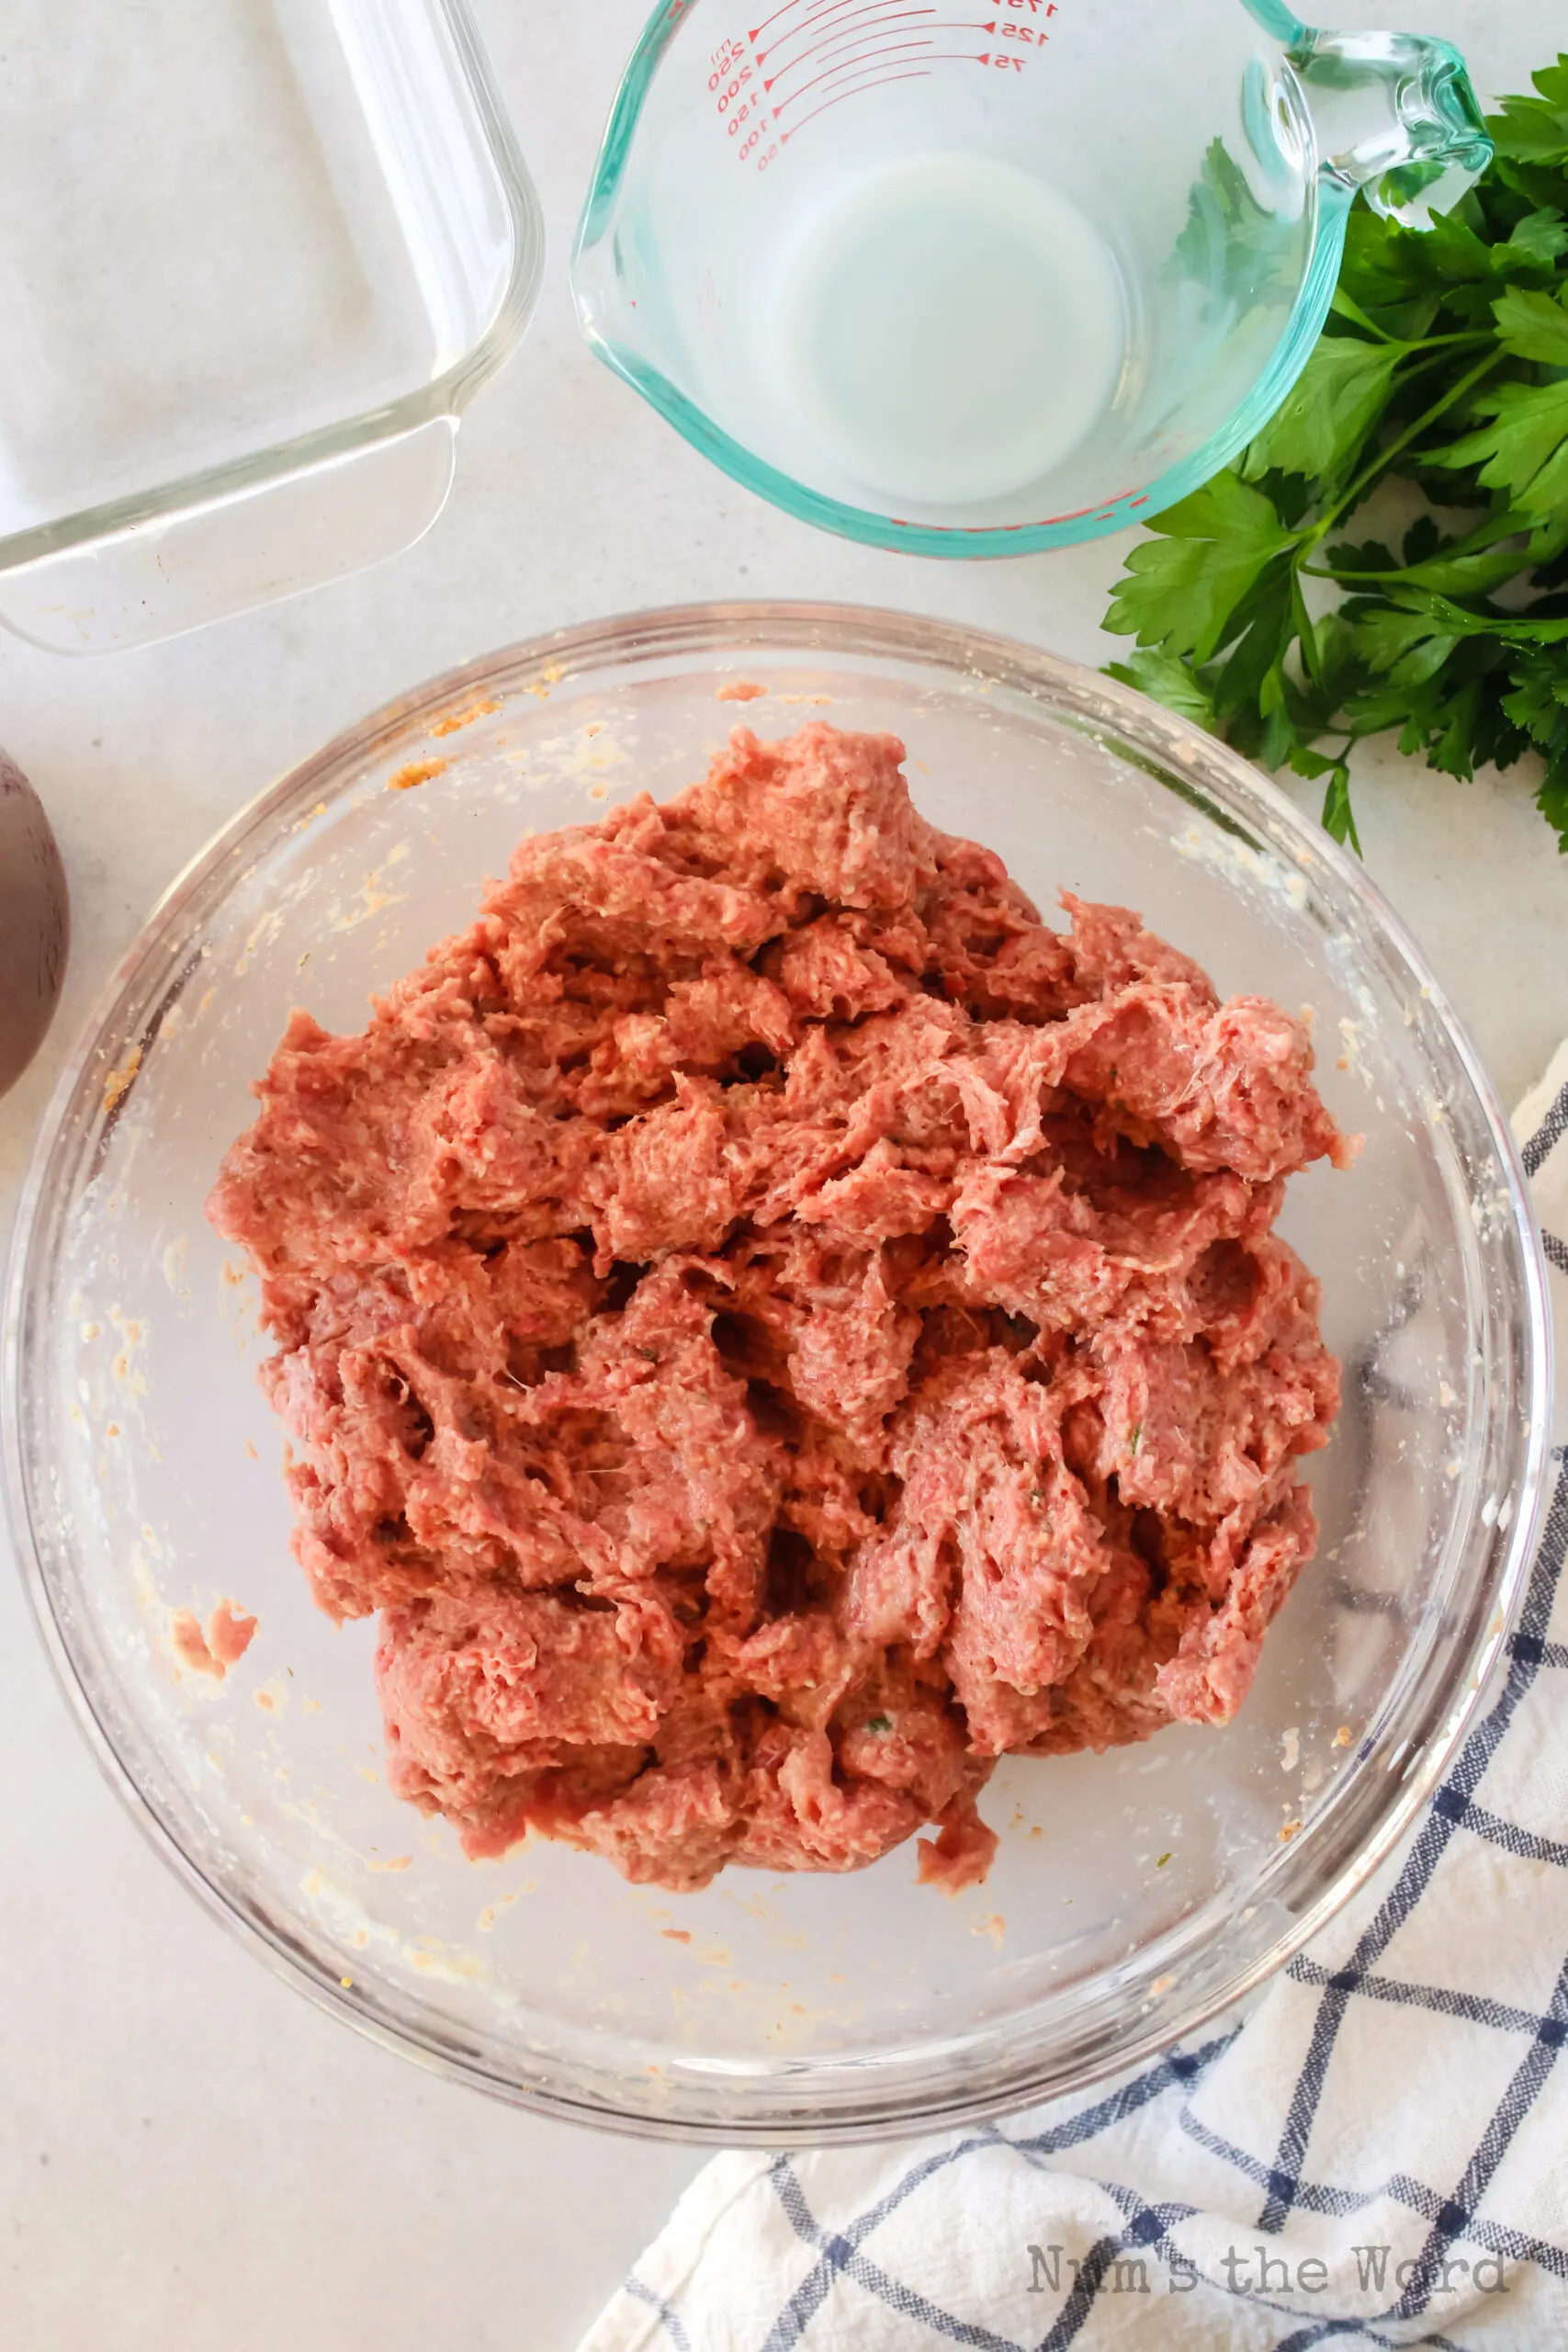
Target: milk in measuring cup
(946,329)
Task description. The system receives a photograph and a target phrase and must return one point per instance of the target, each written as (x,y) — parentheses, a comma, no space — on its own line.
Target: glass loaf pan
(255,258)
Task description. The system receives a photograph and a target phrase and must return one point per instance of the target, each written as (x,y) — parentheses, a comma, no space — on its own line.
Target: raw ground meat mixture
(774,1326)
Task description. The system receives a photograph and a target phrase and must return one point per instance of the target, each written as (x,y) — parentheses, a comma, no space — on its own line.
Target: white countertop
(189,2155)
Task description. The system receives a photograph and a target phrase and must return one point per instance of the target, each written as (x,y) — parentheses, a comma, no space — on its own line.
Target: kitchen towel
(1378,2155)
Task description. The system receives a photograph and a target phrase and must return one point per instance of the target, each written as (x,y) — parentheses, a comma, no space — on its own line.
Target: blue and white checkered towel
(1378,2155)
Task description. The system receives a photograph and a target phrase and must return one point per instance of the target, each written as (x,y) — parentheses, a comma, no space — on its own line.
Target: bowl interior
(1133,1892)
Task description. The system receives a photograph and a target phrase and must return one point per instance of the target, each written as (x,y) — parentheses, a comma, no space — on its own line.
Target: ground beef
(774,1326)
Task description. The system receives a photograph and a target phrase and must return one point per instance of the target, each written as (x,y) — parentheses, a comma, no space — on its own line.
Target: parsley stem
(1543,543)
(1351,579)
(1358,317)
(1347,308)
(1386,457)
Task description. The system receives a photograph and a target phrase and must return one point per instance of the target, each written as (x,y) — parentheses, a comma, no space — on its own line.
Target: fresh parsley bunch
(1444,365)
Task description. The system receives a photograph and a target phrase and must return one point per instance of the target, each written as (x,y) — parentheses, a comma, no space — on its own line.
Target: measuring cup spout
(1395,115)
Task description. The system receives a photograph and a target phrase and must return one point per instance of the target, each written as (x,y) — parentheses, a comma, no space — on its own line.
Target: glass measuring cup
(974,278)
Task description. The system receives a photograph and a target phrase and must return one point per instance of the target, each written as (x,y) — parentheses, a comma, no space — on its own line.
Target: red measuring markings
(811,16)
(826,22)
(788,10)
(922,56)
(842,22)
(794,15)
(917,73)
(913,51)
(855,46)
(899,27)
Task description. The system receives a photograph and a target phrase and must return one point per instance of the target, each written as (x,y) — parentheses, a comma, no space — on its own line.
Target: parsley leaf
(1521,450)
(1160,675)
(1230,244)
(1532,326)
(1443,369)
(1186,583)
(1337,398)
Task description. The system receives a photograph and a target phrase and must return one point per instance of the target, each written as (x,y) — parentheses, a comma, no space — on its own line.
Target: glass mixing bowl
(1135,1893)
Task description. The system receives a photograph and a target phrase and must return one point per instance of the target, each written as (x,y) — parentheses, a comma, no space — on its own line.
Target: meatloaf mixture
(774,1326)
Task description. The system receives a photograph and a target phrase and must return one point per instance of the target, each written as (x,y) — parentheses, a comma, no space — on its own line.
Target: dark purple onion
(34,923)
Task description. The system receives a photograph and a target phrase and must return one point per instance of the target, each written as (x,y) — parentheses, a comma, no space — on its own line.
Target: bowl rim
(1077,696)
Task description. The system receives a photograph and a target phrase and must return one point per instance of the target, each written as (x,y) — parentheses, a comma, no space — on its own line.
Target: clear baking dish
(255,258)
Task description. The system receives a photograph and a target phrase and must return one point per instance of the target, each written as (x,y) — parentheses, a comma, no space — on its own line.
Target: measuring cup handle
(1395,115)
